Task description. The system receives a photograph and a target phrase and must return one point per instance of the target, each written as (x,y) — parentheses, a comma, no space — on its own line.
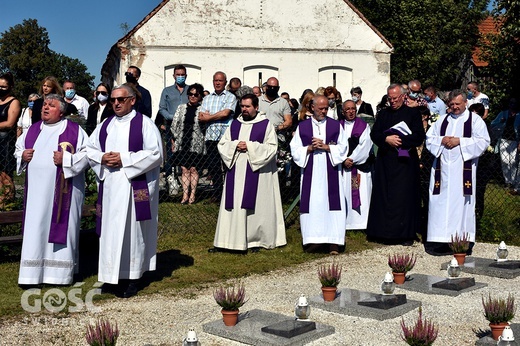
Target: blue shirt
(437,106)
(171,98)
(214,103)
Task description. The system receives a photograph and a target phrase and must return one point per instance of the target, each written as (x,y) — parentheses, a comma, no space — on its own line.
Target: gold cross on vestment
(437,184)
(467,184)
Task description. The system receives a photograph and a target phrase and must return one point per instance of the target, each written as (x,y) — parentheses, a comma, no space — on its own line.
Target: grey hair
(63,104)
(394,85)
(222,73)
(128,88)
(457,92)
(243,90)
(33,95)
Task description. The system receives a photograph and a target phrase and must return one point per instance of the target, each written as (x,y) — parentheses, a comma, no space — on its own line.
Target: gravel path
(165,319)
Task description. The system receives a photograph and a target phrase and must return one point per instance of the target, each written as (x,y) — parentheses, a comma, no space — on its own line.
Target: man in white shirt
(81,104)
(475,96)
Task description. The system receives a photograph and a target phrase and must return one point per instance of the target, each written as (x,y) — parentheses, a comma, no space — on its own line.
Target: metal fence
(498,209)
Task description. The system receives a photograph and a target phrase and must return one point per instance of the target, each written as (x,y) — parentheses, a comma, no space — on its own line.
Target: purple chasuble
(466,172)
(139,184)
(357,131)
(332,128)
(62,187)
(251,182)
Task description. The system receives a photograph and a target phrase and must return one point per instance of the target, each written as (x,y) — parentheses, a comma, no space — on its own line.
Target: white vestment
(321,225)
(451,212)
(127,248)
(239,228)
(41,261)
(357,218)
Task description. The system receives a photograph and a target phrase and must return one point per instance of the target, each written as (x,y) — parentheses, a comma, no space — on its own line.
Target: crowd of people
(408,169)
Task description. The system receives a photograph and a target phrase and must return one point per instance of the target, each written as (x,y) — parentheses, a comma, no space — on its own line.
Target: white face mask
(355,98)
(102,98)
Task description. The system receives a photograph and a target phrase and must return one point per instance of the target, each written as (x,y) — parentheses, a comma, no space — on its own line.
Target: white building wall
(297,38)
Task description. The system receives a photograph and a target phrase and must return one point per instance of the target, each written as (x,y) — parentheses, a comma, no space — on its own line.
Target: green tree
(432,39)
(24,50)
(502,52)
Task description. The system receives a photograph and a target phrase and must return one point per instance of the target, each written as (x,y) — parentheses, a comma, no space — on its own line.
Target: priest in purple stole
(456,141)
(52,153)
(357,168)
(251,214)
(319,147)
(394,216)
(125,152)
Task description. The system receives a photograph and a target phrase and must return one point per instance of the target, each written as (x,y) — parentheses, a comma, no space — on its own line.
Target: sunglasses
(194,94)
(101,92)
(120,99)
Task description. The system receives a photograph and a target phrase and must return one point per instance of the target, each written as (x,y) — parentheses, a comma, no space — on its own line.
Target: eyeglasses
(120,99)
(194,94)
(101,92)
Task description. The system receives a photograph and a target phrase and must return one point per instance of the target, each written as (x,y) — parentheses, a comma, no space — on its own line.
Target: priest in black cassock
(394,216)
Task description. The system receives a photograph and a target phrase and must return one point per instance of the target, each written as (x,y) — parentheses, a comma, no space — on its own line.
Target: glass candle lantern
(191,339)
(454,268)
(388,285)
(502,252)
(302,310)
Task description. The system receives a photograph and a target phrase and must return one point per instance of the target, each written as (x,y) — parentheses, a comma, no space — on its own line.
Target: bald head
(319,107)
(272,88)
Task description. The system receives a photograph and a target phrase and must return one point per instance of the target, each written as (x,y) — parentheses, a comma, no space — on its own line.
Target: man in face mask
(171,97)
(475,96)
(415,98)
(276,109)
(81,103)
(143,104)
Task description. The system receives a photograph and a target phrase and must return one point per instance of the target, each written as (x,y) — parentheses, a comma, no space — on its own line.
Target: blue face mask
(355,98)
(470,95)
(413,95)
(427,98)
(70,93)
(30,104)
(181,80)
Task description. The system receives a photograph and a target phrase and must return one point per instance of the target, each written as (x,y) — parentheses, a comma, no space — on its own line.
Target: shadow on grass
(167,262)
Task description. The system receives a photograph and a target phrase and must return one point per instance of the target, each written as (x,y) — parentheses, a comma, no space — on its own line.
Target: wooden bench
(16,216)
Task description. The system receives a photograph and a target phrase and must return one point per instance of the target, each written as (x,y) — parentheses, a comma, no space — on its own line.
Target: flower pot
(230,318)
(461,257)
(329,293)
(497,329)
(399,278)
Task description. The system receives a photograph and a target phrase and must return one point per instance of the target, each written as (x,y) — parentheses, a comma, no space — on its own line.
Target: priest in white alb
(357,167)
(319,147)
(251,214)
(52,153)
(456,141)
(125,152)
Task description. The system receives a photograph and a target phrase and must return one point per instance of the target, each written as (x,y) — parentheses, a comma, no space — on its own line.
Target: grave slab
(425,284)
(489,267)
(248,330)
(455,284)
(347,303)
(489,341)
(290,328)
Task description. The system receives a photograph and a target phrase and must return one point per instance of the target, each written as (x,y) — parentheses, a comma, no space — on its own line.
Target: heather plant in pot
(401,264)
(422,333)
(102,333)
(230,300)
(460,246)
(330,276)
(498,311)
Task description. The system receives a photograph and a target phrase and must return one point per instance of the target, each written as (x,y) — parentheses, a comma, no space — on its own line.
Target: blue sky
(80,29)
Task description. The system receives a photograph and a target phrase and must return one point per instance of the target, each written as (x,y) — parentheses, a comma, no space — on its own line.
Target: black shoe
(131,290)
(407,243)
(110,289)
(254,250)
(213,250)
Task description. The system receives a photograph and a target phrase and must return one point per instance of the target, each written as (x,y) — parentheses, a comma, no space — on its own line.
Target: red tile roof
(487,26)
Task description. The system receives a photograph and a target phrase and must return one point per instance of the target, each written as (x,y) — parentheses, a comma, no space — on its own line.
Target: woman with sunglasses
(100,109)
(188,142)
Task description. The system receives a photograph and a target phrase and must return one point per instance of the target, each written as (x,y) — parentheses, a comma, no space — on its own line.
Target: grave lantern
(507,338)
(302,309)
(191,339)
(502,252)
(388,285)
(454,268)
